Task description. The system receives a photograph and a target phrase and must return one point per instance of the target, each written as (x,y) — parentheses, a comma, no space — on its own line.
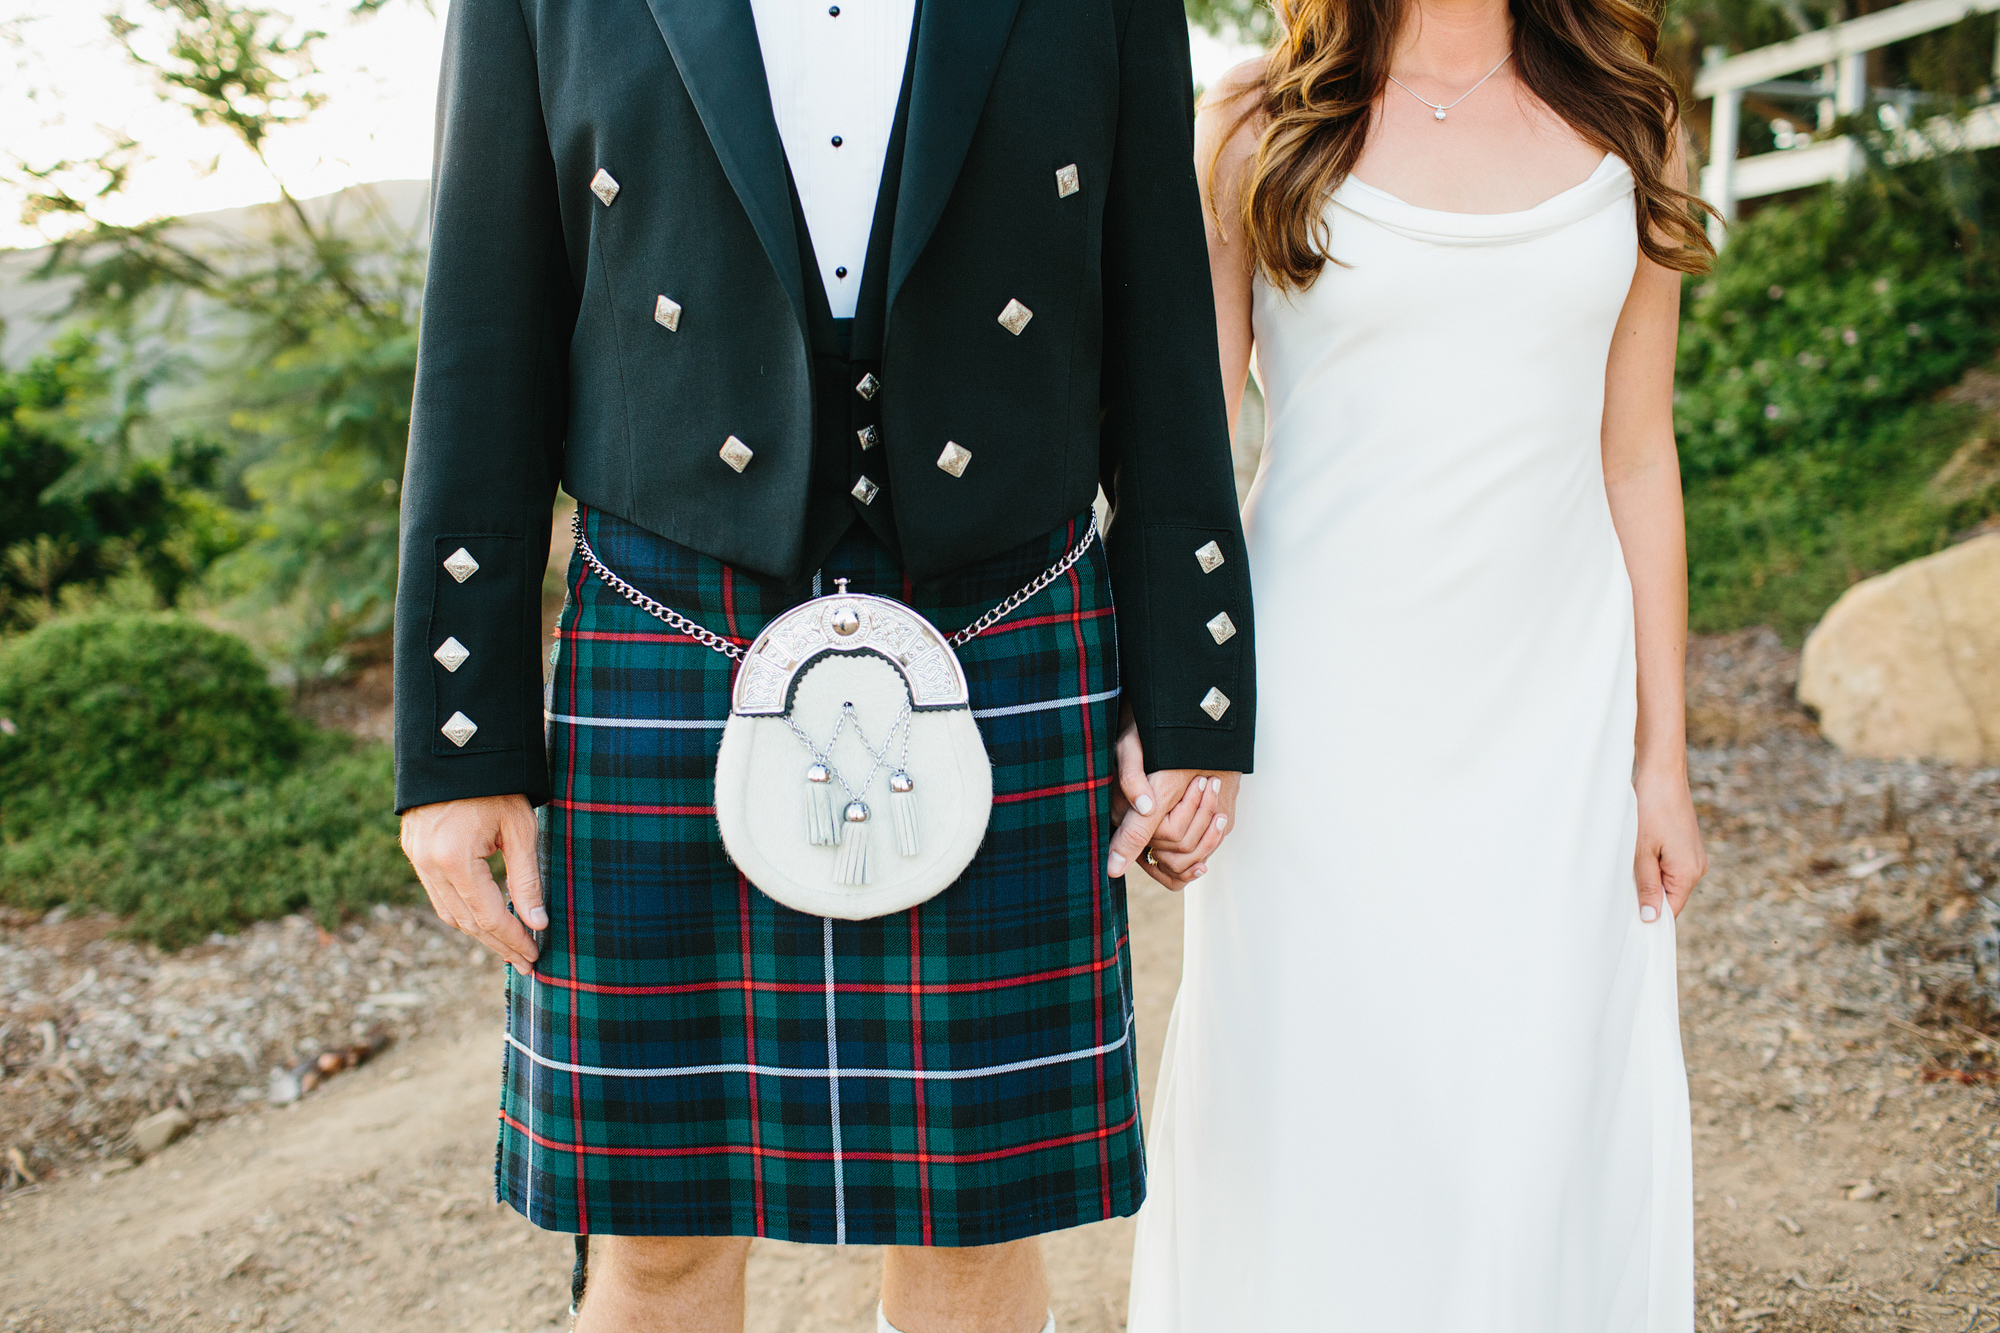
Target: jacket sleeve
(486,429)
(1182,582)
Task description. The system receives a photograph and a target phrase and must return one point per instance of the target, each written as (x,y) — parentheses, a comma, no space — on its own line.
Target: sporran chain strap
(845,830)
(709,639)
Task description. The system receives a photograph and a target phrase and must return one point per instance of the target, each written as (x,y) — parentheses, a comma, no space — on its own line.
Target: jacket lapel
(959,43)
(714,45)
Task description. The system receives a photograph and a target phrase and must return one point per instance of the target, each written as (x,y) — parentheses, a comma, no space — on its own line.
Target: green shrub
(1778,542)
(106,709)
(320,839)
(1805,399)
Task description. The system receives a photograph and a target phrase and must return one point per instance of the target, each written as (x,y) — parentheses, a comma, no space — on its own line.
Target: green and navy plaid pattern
(691,1058)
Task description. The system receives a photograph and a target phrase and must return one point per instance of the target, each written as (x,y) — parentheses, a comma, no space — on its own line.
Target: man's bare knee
(665,1263)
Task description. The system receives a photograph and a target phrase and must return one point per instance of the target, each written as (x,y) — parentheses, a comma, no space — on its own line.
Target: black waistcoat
(848,446)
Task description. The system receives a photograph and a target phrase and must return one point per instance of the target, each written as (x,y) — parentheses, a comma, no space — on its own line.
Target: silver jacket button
(955,458)
(1015,318)
(459,729)
(869,386)
(605,187)
(1215,703)
(736,453)
(667,314)
(460,565)
(1222,628)
(1209,558)
(451,654)
(865,491)
(1068,181)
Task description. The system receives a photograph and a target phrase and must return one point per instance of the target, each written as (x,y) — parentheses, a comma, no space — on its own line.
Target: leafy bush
(1805,400)
(148,769)
(320,839)
(75,512)
(108,708)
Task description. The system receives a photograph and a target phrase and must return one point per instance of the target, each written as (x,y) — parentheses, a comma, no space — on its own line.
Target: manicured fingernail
(1649,914)
(1117,865)
(1144,805)
(538,918)
(1221,823)
(1199,871)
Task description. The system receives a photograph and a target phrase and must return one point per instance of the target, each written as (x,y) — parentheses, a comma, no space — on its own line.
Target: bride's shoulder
(1231,116)
(1237,91)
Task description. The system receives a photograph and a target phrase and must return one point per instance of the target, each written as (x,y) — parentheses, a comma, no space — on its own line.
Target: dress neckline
(1610,181)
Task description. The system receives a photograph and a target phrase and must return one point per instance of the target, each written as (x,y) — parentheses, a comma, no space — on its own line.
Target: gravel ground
(99,1031)
(1840,990)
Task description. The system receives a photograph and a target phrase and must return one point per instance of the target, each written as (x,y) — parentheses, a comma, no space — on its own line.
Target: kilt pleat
(691,1058)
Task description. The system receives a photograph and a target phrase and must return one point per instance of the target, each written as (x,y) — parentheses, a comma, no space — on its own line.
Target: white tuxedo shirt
(836,74)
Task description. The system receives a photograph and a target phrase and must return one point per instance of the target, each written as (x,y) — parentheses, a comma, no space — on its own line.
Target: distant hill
(31,311)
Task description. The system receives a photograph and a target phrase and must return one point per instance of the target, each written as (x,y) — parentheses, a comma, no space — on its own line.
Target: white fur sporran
(852,781)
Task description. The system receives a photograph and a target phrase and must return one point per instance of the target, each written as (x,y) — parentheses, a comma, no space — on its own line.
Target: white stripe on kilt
(1076,701)
(833,1095)
(779,1071)
(633,723)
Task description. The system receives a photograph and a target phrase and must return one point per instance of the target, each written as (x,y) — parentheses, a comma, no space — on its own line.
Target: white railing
(1839,53)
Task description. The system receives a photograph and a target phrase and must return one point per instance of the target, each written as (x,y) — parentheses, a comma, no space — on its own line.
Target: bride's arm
(1190,833)
(1642,479)
(1224,144)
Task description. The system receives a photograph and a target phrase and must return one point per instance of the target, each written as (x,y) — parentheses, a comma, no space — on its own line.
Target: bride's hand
(1671,859)
(1193,830)
(1180,815)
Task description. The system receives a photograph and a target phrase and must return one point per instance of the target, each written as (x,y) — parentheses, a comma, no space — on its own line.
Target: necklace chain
(1441,107)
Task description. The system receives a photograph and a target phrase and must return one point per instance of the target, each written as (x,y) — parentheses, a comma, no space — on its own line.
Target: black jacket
(1049,161)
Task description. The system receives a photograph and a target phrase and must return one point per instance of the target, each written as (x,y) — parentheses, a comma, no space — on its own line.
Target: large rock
(1907,665)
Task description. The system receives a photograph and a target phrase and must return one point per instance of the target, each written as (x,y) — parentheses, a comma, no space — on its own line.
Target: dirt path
(368,1207)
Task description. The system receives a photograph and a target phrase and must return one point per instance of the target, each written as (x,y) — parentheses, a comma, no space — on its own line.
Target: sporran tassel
(820,831)
(850,863)
(903,805)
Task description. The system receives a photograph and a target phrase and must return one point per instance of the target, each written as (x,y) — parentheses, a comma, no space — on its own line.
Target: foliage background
(219,434)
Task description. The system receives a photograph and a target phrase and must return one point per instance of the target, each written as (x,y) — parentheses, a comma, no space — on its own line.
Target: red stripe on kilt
(750,1045)
(1067,789)
(1059,618)
(618,808)
(917,1048)
(1096,897)
(839,987)
(793,1155)
(569,905)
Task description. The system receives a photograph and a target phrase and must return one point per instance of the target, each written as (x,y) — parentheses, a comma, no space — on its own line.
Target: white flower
(1850,337)
(1770,411)
(1777,292)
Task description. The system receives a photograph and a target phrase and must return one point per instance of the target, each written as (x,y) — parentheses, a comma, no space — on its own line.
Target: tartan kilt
(691,1058)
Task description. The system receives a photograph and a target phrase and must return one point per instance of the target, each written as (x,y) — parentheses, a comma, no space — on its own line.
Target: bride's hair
(1591,61)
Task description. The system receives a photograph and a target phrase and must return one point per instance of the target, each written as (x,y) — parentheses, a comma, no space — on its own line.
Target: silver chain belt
(709,639)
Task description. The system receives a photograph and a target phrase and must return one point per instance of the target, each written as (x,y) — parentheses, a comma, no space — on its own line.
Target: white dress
(1424,1073)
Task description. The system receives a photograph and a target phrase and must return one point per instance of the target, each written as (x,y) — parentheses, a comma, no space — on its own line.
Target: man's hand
(448,843)
(1182,815)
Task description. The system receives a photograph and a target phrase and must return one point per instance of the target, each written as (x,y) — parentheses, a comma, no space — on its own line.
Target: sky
(64,87)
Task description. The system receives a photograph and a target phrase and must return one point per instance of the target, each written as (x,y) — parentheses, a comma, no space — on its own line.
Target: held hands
(1179,816)
(448,843)
(1671,859)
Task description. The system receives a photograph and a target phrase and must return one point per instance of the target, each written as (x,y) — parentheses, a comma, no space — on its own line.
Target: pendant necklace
(1441,109)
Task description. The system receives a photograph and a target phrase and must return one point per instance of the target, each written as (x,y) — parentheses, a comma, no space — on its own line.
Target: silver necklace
(1440,109)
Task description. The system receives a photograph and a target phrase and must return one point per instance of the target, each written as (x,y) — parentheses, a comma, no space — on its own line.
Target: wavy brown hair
(1591,61)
